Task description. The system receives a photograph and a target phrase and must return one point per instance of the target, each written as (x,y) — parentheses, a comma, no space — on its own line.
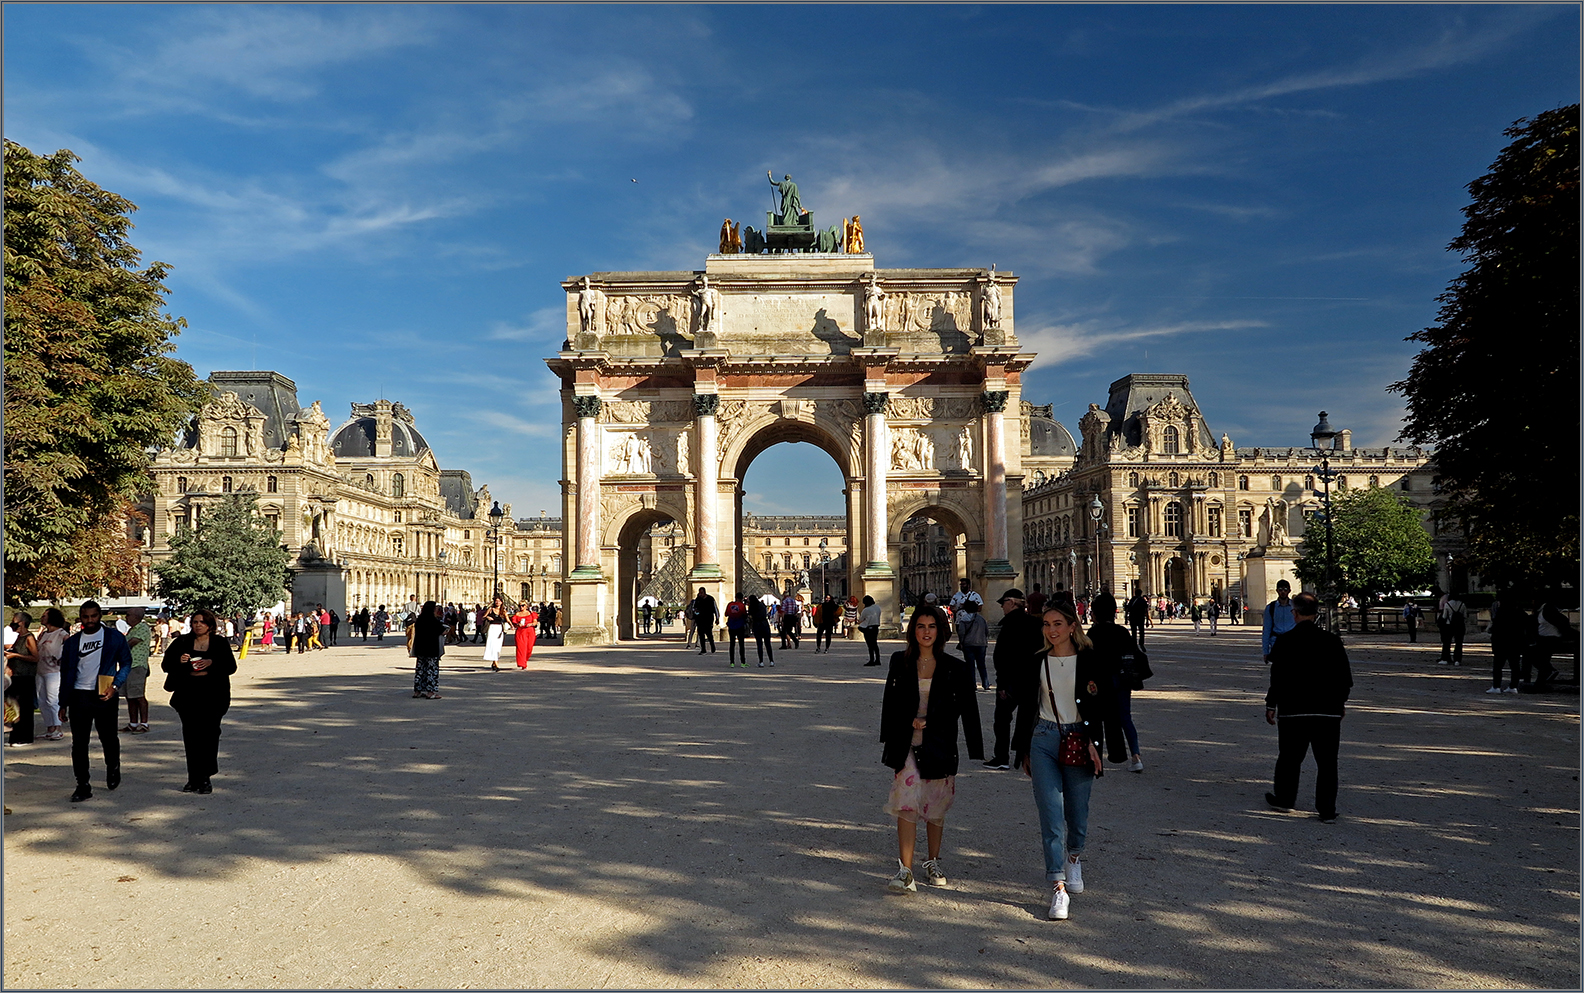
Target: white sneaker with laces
(1137,765)
(1074,876)
(933,874)
(1059,902)
(902,882)
(1495,691)
(1510,689)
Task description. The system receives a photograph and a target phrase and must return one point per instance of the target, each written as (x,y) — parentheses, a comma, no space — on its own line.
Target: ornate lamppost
(1096,511)
(1320,439)
(495,516)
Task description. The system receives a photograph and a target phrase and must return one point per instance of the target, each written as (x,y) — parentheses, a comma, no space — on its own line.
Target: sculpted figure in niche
(643,457)
(588,307)
(874,305)
(964,450)
(708,306)
(682,452)
(791,204)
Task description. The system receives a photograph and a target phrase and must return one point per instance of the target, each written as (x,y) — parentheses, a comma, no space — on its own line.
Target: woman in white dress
(494,620)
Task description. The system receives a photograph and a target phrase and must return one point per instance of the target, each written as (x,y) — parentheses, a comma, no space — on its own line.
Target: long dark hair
(427,610)
(925,610)
(208,617)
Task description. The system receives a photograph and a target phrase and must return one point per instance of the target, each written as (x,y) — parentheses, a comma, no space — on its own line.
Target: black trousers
(1505,656)
(872,641)
(25,692)
(89,713)
(706,632)
(1137,630)
(823,633)
(736,645)
(1295,737)
(335,629)
(1448,651)
(1539,655)
(201,734)
(1413,629)
(762,644)
(791,630)
(1005,709)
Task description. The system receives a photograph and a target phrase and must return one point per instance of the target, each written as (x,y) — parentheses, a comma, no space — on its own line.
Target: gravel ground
(644,817)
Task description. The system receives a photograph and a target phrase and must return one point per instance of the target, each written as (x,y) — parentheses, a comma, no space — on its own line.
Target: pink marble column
(588,473)
(995,490)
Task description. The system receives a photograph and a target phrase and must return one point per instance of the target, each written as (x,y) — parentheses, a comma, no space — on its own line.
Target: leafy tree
(90,386)
(1496,388)
(1381,545)
(232,562)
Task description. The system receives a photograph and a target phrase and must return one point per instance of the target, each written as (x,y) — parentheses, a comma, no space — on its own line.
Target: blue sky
(382,200)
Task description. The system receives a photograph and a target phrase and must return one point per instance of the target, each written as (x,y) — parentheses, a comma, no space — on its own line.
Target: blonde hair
(1080,640)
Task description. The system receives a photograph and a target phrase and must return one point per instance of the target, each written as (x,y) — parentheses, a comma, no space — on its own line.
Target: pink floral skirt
(914,798)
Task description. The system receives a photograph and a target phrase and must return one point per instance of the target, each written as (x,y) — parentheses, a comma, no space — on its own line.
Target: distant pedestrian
(51,642)
(1036,602)
(927,693)
(791,621)
(94,666)
(1234,610)
(1021,638)
(21,659)
(737,631)
(428,648)
(381,623)
(705,615)
(1137,611)
(525,628)
(1213,613)
(335,627)
(1511,631)
(1278,618)
(1195,613)
(1129,667)
(645,617)
(493,624)
(826,616)
(869,624)
(689,625)
(198,668)
(973,637)
(1310,680)
(759,624)
(1412,614)
(1452,620)
(1553,635)
(139,636)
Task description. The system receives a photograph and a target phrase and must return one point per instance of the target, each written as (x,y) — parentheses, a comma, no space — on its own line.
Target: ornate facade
(365,509)
(1184,514)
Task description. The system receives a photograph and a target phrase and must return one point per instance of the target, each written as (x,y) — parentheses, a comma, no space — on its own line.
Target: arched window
(1243,483)
(1405,485)
(369,479)
(805,541)
(398,486)
(1171,441)
(1276,483)
(769,540)
(558,591)
(1174,520)
(225,484)
(788,543)
(1132,479)
(228,441)
(271,484)
(1374,481)
(1171,479)
(181,484)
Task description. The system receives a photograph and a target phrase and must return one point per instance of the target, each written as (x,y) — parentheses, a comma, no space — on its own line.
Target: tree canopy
(1496,389)
(232,562)
(1380,541)
(90,385)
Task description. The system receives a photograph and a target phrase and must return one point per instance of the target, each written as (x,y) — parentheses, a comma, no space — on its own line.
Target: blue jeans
(1061,792)
(1124,694)
(975,654)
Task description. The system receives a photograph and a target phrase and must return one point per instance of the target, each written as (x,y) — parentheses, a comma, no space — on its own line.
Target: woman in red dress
(527,624)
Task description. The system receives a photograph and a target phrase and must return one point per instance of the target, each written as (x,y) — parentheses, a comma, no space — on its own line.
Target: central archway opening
(932,550)
(794,517)
(651,576)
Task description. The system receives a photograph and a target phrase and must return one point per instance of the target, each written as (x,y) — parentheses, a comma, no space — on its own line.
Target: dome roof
(355,439)
(1048,437)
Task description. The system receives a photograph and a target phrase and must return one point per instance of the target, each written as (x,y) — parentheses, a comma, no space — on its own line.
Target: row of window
(1277,482)
(771,541)
(788,562)
(1060,532)
(227,484)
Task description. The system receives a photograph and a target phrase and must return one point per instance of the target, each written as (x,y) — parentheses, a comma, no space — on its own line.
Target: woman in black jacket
(1067,692)
(198,667)
(927,691)
(428,646)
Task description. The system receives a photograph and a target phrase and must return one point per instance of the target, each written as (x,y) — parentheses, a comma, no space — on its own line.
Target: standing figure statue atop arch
(791,204)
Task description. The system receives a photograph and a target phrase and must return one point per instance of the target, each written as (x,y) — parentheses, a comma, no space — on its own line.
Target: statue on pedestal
(791,211)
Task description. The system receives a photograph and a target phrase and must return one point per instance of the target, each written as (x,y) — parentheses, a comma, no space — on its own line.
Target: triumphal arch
(672,383)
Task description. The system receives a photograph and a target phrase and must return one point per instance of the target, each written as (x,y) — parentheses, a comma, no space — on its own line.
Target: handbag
(1074,748)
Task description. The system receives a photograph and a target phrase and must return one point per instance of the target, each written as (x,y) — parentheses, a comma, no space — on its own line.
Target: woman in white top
(869,624)
(50,642)
(1066,697)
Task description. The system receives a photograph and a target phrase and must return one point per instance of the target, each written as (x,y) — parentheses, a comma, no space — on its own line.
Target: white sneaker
(1510,689)
(902,882)
(1495,691)
(1137,765)
(1074,876)
(1059,902)
(933,874)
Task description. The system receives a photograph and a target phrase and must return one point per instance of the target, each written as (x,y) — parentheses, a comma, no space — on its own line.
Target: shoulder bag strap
(1050,690)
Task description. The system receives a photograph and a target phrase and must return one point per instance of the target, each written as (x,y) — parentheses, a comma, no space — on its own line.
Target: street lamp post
(495,516)
(1096,511)
(445,594)
(1320,439)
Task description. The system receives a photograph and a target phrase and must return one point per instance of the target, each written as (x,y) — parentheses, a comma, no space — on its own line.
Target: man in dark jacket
(1309,684)
(1129,668)
(705,616)
(1137,617)
(97,650)
(1021,638)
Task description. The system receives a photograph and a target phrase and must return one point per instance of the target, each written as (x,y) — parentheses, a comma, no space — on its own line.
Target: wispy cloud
(547,326)
(516,425)
(1064,342)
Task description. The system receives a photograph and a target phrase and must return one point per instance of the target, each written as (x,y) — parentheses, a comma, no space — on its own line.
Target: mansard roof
(456,486)
(270,392)
(1134,393)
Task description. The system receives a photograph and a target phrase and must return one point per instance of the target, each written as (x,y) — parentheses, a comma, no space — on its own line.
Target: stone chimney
(1344,441)
(382,429)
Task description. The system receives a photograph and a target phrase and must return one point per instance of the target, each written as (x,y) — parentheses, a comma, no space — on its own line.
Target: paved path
(645,817)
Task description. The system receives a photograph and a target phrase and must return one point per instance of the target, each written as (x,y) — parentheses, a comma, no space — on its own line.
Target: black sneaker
(82,793)
(112,779)
(1270,798)
(1328,818)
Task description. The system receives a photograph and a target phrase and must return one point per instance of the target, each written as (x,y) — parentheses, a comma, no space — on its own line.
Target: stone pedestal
(883,587)
(318,581)
(587,616)
(1264,572)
